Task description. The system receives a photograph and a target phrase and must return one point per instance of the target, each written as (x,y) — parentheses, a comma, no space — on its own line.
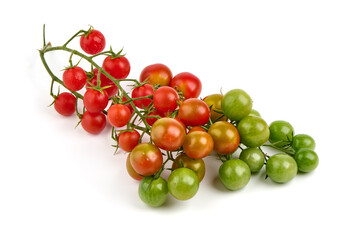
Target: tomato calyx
(114,55)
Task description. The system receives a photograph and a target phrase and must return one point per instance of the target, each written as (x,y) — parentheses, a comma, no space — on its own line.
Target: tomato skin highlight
(156,74)
(168,134)
(93,123)
(95,101)
(74,78)
(165,99)
(93,43)
(194,112)
(188,84)
(226,137)
(142,91)
(118,67)
(65,104)
(129,140)
(198,144)
(146,159)
(118,115)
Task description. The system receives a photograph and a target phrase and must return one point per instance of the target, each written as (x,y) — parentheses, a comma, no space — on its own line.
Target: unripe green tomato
(255,113)
(236,104)
(303,141)
(281,133)
(153,192)
(234,174)
(253,131)
(307,160)
(281,168)
(183,183)
(254,158)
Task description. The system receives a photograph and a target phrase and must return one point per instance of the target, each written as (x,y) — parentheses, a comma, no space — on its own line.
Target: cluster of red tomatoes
(182,128)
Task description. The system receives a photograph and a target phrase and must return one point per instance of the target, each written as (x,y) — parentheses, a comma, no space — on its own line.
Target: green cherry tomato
(255,113)
(236,104)
(303,141)
(281,168)
(254,158)
(234,174)
(253,131)
(281,133)
(183,183)
(307,160)
(197,165)
(153,192)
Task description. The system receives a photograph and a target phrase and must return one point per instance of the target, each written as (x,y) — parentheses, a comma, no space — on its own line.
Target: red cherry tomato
(142,91)
(198,144)
(131,170)
(151,120)
(128,140)
(93,123)
(95,101)
(118,67)
(193,112)
(146,159)
(92,43)
(124,99)
(118,115)
(197,128)
(65,104)
(165,99)
(74,78)
(188,84)
(226,137)
(111,87)
(168,134)
(156,74)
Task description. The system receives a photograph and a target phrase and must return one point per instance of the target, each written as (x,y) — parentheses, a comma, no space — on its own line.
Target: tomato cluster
(182,128)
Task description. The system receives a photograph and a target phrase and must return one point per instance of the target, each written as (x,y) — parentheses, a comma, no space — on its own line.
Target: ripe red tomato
(151,120)
(165,99)
(93,123)
(74,78)
(198,144)
(156,74)
(118,115)
(146,159)
(95,101)
(226,137)
(142,91)
(193,112)
(124,99)
(65,104)
(117,67)
(111,87)
(168,134)
(188,84)
(128,140)
(92,43)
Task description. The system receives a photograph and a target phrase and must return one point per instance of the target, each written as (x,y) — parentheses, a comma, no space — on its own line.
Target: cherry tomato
(165,99)
(124,99)
(194,112)
(93,42)
(156,74)
(281,168)
(168,134)
(93,122)
(117,67)
(303,141)
(131,170)
(306,159)
(109,86)
(118,115)
(214,103)
(281,133)
(188,84)
(183,183)
(236,104)
(153,192)
(95,101)
(197,128)
(151,120)
(128,140)
(255,113)
(65,104)
(197,165)
(234,174)
(74,78)
(142,91)
(226,137)
(253,131)
(198,144)
(254,158)
(146,159)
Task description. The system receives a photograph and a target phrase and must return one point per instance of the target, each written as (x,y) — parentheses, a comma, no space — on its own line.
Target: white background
(298,60)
